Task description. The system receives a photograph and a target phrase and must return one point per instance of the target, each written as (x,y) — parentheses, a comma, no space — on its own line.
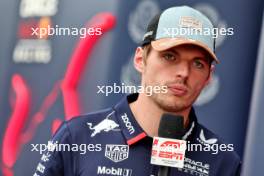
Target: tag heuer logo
(116,153)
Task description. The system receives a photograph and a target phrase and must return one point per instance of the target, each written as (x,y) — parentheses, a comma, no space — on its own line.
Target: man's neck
(148,114)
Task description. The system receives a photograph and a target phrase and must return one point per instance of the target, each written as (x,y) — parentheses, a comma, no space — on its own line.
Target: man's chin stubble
(165,105)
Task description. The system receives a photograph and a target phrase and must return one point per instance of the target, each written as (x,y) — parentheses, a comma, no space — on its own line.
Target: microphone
(171,126)
(168,149)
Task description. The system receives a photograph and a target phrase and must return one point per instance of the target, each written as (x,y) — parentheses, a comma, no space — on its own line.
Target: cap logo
(190,22)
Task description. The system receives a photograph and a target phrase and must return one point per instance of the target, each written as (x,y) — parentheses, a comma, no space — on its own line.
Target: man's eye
(198,64)
(169,57)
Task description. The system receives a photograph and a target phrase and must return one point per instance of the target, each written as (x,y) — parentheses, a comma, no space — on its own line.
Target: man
(118,140)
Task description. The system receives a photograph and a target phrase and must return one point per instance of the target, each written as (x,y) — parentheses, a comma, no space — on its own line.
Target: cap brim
(167,43)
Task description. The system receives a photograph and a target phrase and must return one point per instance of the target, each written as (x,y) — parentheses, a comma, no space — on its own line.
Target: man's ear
(139,60)
(210,77)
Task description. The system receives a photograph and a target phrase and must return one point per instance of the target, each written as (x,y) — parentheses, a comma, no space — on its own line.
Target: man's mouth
(178,90)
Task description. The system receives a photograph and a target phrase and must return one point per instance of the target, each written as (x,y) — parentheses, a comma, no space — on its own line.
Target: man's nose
(182,70)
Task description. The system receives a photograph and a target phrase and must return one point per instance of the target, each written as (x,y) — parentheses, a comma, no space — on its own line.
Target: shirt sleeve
(57,160)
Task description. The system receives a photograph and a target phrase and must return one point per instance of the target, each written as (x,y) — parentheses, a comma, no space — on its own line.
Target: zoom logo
(127,123)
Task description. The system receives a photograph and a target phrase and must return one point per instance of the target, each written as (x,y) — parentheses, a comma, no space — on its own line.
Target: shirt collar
(191,128)
(132,131)
(129,126)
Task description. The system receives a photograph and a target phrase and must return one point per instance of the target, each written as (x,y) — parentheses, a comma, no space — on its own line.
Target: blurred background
(46,80)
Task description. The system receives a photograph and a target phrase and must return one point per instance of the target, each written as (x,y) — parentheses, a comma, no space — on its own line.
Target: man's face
(185,70)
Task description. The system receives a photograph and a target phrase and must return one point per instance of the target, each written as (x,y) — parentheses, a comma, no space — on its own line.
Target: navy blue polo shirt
(111,142)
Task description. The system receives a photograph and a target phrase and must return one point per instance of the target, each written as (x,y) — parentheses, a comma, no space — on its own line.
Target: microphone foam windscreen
(171,126)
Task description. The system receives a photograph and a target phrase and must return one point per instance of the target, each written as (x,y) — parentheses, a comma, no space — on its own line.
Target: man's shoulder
(85,123)
(206,136)
(94,117)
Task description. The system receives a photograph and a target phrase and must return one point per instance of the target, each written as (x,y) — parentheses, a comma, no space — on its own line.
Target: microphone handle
(164,171)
